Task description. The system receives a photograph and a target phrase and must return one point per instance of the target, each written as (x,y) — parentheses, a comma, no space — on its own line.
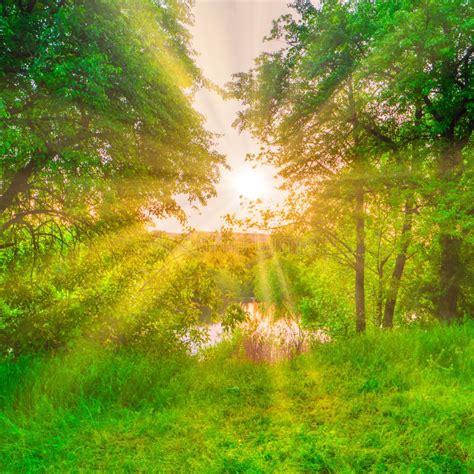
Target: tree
(422,69)
(304,105)
(96,117)
(372,99)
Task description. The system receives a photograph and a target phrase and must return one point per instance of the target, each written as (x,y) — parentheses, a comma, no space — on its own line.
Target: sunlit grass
(397,402)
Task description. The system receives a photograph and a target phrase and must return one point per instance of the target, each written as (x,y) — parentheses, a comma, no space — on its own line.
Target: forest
(332,333)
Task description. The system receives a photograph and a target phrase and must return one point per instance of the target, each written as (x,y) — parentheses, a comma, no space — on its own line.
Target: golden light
(251,183)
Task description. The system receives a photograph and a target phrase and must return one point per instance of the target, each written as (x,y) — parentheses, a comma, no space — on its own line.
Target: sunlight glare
(251,184)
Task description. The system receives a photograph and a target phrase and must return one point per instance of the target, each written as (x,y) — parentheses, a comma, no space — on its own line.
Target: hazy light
(228,35)
(251,183)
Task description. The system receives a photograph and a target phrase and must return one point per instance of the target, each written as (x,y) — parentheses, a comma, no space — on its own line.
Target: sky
(228,36)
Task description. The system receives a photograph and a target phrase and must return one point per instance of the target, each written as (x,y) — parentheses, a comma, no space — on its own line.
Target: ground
(392,402)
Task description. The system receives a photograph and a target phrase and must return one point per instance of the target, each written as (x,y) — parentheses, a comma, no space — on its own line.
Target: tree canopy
(96,119)
(372,102)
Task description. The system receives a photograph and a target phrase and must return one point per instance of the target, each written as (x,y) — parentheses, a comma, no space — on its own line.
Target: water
(265,337)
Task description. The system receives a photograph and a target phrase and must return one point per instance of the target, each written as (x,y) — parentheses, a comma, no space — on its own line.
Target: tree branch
(18,185)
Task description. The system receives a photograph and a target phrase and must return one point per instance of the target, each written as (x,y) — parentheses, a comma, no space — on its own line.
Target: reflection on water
(264,336)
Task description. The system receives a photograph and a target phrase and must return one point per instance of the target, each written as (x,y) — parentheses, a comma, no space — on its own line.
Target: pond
(264,336)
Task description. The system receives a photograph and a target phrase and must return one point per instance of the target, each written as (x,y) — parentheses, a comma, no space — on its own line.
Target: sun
(250,183)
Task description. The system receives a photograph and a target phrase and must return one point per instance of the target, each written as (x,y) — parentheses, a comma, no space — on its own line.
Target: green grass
(392,402)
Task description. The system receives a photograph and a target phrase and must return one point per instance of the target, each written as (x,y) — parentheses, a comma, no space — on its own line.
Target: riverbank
(392,402)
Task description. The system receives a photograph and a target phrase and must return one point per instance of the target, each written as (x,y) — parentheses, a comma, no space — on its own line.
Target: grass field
(391,402)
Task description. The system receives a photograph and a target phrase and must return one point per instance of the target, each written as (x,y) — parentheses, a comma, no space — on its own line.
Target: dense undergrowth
(389,402)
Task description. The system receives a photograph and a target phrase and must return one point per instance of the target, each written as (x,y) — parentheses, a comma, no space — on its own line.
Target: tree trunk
(360,263)
(379,301)
(449,278)
(359,221)
(399,267)
(450,270)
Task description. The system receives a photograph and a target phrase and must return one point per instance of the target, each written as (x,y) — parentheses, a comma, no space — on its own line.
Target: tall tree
(366,91)
(96,116)
(422,70)
(304,105)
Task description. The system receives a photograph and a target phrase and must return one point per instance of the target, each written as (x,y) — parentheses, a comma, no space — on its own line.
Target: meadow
(391,402)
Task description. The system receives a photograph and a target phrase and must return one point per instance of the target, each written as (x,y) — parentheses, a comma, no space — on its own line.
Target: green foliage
(110,293)
(147,291)
(315,291)
(326,300)
(395,402)
(96,117)
(275,281)
(366,111)
(233,316)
